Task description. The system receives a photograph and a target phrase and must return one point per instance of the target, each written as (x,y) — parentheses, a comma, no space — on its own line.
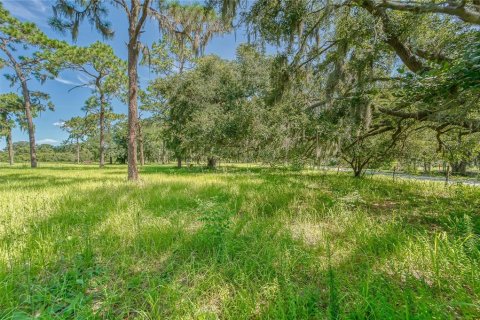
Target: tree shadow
(112,252)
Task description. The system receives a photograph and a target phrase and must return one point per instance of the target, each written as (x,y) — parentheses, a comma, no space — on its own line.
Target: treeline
(363,84)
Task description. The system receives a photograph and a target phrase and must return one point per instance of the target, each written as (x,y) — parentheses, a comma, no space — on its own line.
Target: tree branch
(460,11)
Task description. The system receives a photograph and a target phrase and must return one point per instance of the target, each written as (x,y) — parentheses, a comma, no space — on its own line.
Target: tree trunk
(133,51)
(163,152)
(459,167)
(179,162)
(357,173)
(357,167)
(211,162)
(142,154)
(31,127)
(102,129)
(140,142)
(10,146)
(78,151)
(427,167)
(26,104)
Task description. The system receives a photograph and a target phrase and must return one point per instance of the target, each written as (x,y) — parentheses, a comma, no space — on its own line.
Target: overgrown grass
(237,243)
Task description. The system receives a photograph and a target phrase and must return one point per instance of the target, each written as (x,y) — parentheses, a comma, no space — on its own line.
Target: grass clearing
(237,243)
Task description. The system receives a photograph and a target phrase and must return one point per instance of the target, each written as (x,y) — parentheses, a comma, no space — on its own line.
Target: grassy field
(77,242)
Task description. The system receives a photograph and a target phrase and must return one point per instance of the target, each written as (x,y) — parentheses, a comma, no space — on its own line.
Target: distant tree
(77,129)
(101,116)
(11,107)
(106,74)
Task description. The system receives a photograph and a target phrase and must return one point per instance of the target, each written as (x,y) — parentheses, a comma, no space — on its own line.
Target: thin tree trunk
(140,142)
(133,51)
(26,104)
(142,154)
(211,162)
(163,151)
(102,130)
(179,162)
(31,127)
(78,151)
(10,146)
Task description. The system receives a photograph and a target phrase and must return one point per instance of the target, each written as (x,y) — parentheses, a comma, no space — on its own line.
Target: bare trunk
(142,154)
(357,173)
(78,151)
(102,130)
(27,105)
(31,127)
(10,146)
(459,167)
(357,167)
(133,51)
(163,152)
(140,142)
(136,16)
(212,163)
(179,162)
(427,167)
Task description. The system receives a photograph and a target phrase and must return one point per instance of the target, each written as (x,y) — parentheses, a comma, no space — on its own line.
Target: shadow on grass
(177,250)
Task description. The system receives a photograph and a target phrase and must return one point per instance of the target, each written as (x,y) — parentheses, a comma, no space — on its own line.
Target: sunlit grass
(241,242)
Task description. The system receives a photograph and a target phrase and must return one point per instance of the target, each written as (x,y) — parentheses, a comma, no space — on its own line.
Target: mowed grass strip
(77,242)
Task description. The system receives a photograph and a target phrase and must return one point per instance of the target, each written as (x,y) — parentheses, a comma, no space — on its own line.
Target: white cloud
(47,141)
(31,10)
(82,78)
(40,5)
(59,123)
(85,81)
(65,81)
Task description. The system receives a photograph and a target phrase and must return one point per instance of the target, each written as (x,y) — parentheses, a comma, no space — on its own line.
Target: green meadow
(239,242)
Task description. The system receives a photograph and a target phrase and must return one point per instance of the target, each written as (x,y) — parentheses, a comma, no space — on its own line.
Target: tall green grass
(77,242)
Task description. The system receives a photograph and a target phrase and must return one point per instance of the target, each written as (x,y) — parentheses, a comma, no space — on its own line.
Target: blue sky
(69,104)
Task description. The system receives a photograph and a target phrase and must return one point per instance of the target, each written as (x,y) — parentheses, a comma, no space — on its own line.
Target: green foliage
(209,108)
(25,35)
(11,107)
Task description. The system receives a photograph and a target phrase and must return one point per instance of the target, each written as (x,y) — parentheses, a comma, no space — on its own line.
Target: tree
(210,110)
(101,117)
(11,106)
(14,35)
(69,15)
(397,71)
(106,74)
(78,128)
(194,26)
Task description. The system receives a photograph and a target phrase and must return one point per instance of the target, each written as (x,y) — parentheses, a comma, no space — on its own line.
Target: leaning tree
(15,36)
